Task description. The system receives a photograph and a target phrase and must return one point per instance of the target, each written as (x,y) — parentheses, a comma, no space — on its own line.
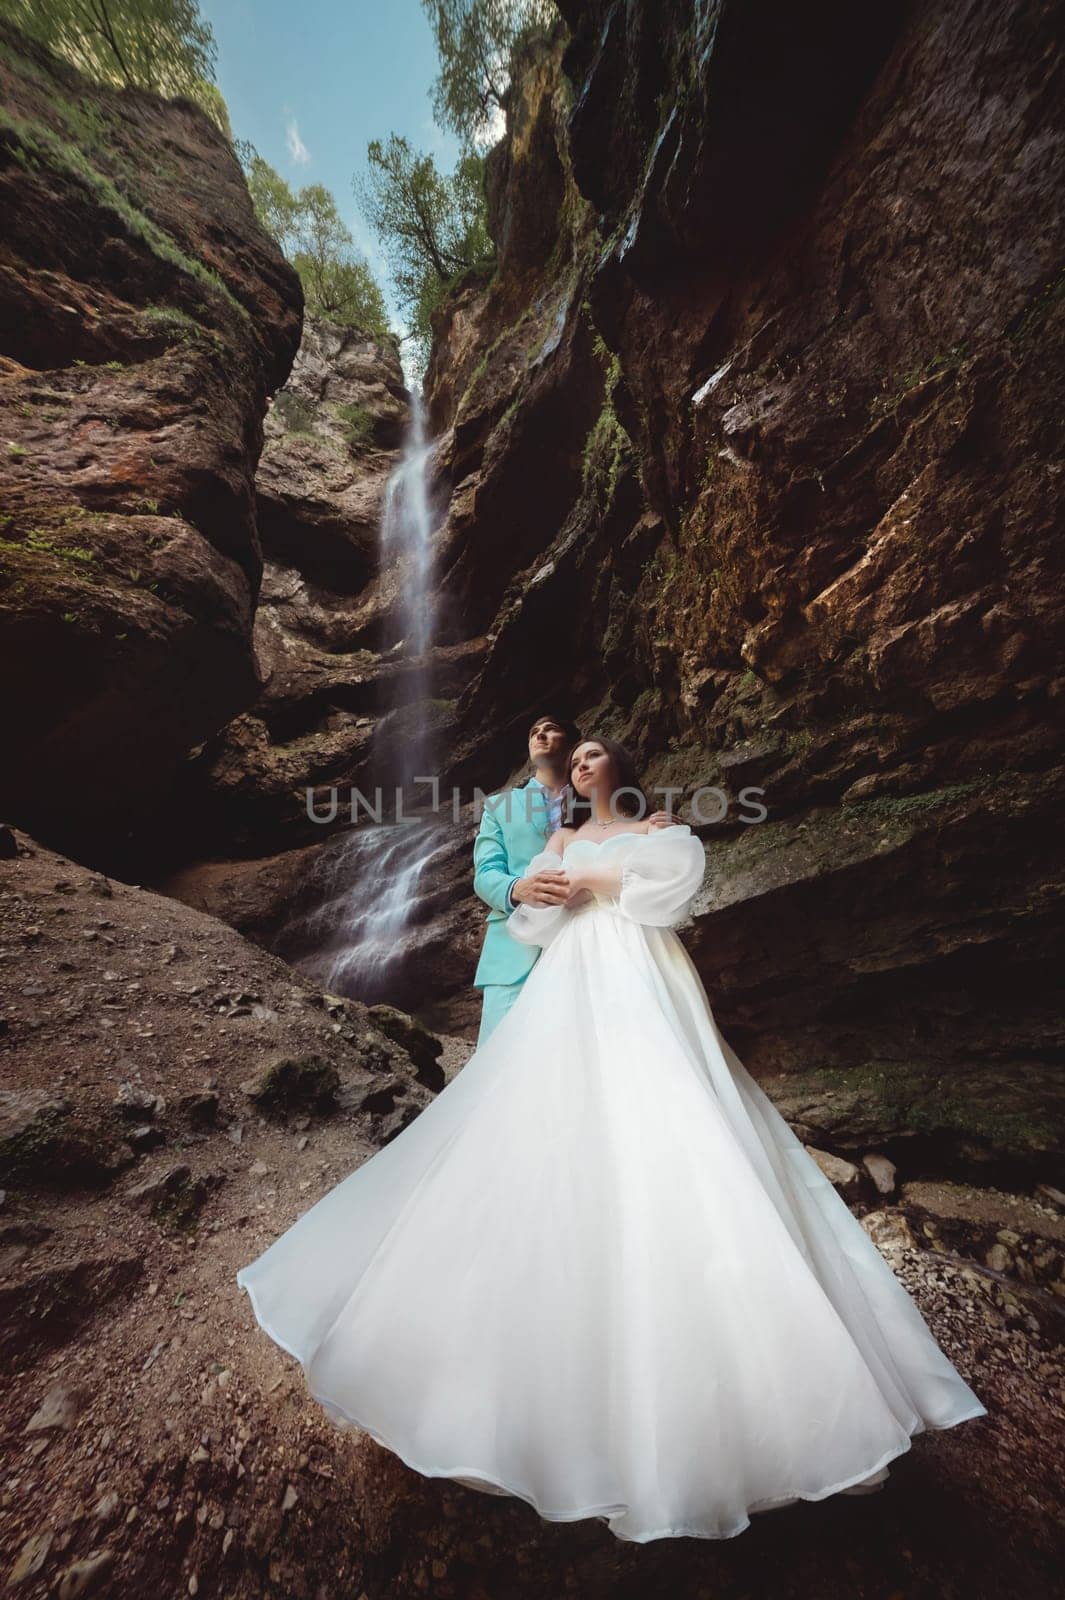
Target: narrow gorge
(745,450)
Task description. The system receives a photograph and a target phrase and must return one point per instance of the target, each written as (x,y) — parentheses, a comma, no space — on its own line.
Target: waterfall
(364,888)
(401,743)
(407,533)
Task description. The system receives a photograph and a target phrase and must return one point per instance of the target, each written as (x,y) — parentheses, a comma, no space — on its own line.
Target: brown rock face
(332,437)
(335,682)
(146,318)
(332,434)
(802,299)
(515,383)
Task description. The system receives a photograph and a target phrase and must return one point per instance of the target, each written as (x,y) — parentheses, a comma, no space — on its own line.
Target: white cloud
(296,147)
(493,130)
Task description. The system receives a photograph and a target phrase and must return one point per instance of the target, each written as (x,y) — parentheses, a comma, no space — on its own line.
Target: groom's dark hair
(568,726)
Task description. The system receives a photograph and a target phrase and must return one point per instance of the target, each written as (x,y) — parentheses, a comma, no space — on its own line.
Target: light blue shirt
(554,814)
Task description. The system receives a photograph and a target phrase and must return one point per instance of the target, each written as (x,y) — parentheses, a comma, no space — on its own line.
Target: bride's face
(589,769)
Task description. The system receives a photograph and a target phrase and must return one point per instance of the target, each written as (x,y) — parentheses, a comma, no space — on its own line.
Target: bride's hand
(548,887)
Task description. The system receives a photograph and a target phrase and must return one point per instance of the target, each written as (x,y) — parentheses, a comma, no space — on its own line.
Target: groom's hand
(548,887)
(662,819)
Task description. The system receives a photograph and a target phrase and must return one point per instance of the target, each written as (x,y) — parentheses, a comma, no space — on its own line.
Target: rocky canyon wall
(332,437)
(746,452)
(147,318)
(751,445)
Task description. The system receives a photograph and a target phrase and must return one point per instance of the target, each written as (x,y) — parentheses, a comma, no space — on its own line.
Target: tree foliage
(162,45)
(476,41)
(337,281)
(432,225)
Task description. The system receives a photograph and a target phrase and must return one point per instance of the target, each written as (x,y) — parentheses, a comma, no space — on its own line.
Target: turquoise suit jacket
(515,826)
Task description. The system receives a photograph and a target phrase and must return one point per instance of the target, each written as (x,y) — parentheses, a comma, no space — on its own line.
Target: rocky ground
(153,1141)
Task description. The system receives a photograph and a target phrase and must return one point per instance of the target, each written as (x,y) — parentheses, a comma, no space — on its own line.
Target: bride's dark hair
(633,802)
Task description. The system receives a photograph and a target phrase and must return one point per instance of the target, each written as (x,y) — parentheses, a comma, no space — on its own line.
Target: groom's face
(547,740)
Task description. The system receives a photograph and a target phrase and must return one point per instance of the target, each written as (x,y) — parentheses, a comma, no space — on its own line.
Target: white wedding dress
(599,1272)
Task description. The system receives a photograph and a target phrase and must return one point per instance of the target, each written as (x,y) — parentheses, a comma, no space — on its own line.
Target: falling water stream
(365,886)
(407,532)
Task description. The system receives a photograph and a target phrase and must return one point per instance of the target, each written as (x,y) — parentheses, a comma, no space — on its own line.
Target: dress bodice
(606,852)
(586,840)
(648,878)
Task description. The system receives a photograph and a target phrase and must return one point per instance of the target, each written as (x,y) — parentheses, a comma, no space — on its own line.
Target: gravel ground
(155,1440)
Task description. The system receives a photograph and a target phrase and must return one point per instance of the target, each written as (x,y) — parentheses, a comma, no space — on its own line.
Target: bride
(599,1272)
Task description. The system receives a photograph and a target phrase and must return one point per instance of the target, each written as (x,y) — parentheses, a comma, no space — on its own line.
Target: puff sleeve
(538,924)
(660,876)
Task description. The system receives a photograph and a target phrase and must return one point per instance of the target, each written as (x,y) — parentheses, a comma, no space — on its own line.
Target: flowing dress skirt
(600,1273)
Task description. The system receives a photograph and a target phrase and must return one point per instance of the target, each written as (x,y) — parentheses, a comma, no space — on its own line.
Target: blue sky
(311,84)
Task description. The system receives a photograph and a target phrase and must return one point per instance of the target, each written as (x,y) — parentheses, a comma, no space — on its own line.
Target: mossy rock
(423,1047)
(1008,1113)
(295,1083)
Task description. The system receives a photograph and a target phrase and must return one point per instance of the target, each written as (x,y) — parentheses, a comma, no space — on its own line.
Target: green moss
(16,451)
(295,414)
(1023,329)
(887,403)
(358,423)
(967,1104)
(496,345)
(607,446)
(910,805)
(178,326)
(178,1212)
(44,544)
(309,1081)
(661,570)
(169,314)
(39,142)
(475,377)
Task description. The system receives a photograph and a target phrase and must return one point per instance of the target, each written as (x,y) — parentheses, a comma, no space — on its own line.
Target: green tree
(433,227)
(337,282)
(162,45)
(275,205)
(210,97)
(476,41)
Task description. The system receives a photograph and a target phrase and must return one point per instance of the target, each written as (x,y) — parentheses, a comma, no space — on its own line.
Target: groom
(515,826)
